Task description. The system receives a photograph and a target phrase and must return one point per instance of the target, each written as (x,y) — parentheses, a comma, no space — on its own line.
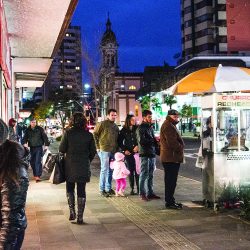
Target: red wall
(238,25)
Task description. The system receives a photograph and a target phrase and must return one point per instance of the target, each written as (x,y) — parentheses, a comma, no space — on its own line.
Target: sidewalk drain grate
(158,230)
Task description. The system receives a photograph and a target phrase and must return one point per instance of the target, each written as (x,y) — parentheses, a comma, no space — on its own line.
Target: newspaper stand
(226,165)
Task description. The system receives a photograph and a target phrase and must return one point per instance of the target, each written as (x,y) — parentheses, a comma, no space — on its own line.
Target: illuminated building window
(77,68)
(67,34)
(69,86)
(68,61)
(132,87)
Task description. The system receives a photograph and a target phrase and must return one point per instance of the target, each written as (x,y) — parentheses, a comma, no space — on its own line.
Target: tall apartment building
(215,27)
(65,73)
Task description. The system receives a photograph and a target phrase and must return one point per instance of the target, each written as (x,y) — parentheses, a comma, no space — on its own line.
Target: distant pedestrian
(183,128)
(147,152)
(106,139)
(13,130)
(120,173)
(127,141)
(14,182)
(35,137)
(79,147)
(172,154)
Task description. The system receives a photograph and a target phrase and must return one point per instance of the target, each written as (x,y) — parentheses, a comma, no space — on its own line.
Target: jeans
(106,171)
(171,170)
(19,240)
(81,188)
(146,176)
(36,160)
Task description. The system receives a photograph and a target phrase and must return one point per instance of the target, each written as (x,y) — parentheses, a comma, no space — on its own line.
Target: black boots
(81,206)
(71,202)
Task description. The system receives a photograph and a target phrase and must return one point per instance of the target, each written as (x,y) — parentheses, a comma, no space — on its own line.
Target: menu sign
(233,101)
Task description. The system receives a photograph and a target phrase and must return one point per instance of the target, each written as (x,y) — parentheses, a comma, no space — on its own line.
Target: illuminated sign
(233,101)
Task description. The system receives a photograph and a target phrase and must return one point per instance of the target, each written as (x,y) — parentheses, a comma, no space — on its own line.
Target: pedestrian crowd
(126,153)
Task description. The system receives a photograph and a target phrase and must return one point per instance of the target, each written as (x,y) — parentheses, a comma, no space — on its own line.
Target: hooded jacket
(172,145)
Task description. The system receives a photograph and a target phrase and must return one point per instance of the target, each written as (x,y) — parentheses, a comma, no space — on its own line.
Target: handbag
(59,170)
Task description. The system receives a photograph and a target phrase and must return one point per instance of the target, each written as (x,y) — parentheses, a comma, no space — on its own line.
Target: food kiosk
(225,146)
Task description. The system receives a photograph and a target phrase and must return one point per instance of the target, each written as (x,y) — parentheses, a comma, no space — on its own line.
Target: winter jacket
(13,134)
(172,145)
(106,136)
(35,137)
(127,139)
(13,198)
(79,148)
(146,140)
(120,170)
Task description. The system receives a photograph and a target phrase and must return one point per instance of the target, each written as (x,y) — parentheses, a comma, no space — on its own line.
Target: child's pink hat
(119,156)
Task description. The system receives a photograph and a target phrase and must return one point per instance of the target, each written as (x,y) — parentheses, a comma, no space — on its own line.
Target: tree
(145,102)
(170,100)
(156,104)
(42,111)
(186,111)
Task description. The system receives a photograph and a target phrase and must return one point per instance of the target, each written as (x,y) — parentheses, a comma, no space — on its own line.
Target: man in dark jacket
(36,138)
(172,154)
(147,148)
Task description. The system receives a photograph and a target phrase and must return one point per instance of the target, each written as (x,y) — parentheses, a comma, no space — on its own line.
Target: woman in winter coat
(128,143)
(14,182)
(13,133)
(79,147)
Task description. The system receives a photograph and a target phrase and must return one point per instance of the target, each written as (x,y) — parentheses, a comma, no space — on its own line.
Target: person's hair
(78,120)
(10,161)
(111,110)
(12,122)
(32,119)
(146,112)
(127,120)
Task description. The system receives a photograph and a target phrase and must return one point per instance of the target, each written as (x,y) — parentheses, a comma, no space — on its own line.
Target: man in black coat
(36,138)
(147,151)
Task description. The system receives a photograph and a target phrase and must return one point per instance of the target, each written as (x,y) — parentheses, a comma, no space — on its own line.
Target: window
(132,87)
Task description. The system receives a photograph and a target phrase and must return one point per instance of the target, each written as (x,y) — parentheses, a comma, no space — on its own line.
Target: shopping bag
(200,159)
(45,156)
(58,171)
(50,163)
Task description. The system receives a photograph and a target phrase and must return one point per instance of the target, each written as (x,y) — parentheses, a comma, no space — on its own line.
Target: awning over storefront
(35,30)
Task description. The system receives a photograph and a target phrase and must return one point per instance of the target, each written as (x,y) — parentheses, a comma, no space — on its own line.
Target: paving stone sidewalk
(129,223)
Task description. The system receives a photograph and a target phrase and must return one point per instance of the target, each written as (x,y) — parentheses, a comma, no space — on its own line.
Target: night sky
(148,31)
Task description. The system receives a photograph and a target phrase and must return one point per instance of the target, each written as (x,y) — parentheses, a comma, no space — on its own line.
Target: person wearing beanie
(120,173)
(14,182)
(35,137)
(171,155)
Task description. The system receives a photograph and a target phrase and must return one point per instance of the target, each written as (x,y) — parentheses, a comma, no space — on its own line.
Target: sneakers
(104,194)
(132,192)
(37,179)
(153,197)
(144,197)
(174,206)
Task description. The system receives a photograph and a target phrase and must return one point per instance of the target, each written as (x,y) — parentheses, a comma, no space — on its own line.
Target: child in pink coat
(120,173)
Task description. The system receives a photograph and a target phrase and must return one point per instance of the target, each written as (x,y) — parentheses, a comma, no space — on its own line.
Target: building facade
(211,27)
(117,89)
(65,74)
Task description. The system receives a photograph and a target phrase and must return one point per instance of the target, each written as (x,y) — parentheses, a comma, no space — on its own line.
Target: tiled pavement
(128,223)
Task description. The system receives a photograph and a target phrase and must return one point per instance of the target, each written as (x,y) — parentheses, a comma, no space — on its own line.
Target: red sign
(238,25)
(5,59)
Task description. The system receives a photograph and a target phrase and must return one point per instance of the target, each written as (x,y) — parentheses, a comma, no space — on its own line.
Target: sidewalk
(129,223)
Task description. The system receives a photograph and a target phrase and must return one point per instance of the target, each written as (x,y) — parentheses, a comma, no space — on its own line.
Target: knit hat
(173,112)
(119,156)
(3,132)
